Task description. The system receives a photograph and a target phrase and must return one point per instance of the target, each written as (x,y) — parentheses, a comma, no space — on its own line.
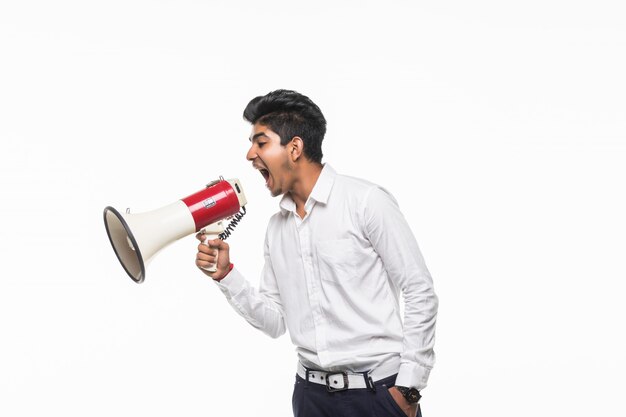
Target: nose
(251,153)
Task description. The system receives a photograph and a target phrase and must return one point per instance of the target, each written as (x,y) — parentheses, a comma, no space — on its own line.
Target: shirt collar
(320,193)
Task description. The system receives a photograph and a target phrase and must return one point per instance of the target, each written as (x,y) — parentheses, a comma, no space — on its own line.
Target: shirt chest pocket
(337,260)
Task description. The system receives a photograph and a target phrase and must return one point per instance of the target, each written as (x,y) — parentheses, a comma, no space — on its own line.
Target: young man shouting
(337,256)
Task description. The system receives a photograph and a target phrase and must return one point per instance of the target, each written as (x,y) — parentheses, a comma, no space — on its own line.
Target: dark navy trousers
(314,400)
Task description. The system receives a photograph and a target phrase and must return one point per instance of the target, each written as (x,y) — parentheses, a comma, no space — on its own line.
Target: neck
(307,175)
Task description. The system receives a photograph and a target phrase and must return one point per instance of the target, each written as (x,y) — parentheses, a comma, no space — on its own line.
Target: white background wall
(499,126)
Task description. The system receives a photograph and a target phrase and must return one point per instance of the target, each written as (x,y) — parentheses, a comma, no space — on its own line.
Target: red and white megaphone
(136,238)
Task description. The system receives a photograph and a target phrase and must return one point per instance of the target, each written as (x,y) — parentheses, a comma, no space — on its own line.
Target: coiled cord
(231,226)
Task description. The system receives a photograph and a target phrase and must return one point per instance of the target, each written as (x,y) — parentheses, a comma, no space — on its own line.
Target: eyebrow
(258,135)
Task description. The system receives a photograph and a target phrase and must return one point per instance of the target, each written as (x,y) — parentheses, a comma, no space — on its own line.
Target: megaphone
(136,238)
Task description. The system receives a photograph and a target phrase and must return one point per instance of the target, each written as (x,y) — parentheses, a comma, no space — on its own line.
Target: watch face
(413,395)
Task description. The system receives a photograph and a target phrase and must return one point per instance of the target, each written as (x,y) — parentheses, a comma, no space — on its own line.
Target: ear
(295,148)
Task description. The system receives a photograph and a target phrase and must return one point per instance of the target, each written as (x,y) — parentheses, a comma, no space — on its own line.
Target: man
(337,256)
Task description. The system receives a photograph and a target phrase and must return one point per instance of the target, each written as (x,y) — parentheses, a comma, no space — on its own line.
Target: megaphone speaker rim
(117,214)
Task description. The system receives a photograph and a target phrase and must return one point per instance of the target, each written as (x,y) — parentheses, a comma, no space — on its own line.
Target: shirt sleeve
(391,237)
(261,307)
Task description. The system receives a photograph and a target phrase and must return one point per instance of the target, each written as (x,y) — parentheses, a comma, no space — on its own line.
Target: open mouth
(265,173)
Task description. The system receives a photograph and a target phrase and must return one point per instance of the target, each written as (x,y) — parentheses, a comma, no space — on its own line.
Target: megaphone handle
(213,267)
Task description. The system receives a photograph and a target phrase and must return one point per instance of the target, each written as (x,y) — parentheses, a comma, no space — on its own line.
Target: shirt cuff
(412,375)
(232,284)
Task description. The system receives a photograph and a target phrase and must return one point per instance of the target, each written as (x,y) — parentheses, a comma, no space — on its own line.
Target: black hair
(290,114)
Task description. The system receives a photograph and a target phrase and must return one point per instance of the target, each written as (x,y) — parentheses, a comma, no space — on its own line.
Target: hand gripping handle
(212,232)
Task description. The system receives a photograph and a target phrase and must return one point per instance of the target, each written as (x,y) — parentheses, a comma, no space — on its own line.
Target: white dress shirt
(333,278)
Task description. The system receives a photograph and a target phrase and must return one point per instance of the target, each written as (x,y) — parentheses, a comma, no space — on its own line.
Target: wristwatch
(411,394)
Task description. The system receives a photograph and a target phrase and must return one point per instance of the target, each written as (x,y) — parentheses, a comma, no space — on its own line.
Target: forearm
(257,307)
(420,314)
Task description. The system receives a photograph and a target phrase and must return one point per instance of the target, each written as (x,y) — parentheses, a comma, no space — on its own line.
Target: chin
(276,192)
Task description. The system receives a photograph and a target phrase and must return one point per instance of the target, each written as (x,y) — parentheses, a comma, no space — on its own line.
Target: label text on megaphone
(209,202)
